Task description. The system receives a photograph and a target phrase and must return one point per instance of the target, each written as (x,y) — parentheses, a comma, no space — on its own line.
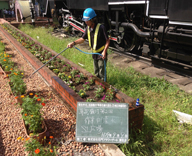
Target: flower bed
(31,105)
(71,76)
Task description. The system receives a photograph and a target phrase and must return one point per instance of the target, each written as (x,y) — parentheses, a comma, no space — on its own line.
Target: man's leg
(102,69)
(96,67)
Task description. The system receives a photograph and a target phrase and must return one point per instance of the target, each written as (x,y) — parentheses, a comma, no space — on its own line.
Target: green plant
(69,83)
(73,87)
(31,113)
(74,72)
(82,93)
(56,71)
(34,147)
(81,76)
(109,94)
(64,68)
(90,80)
(2,47)
(90,100)
(100,89)
(86,85)
(77,80)
(62,62)
(17,84)
(5,61)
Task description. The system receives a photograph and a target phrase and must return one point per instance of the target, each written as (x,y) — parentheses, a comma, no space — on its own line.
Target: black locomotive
(161,28)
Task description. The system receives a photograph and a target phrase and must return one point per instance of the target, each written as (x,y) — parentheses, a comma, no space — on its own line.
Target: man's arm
(104,53)
(78,41)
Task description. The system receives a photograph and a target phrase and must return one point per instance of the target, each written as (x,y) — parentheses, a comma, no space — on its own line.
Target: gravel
(59,120)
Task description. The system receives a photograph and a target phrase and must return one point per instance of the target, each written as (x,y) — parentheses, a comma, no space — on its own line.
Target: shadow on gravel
(57,128)
(2,148)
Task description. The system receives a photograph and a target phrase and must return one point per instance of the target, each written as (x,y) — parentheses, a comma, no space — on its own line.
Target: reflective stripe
(95,39)
(98,50)
(89,38)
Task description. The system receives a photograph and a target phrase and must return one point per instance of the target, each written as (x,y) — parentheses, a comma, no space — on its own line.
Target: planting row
(84,86)
(30,104)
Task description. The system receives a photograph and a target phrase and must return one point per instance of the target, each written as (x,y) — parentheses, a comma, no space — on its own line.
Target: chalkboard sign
(102,122)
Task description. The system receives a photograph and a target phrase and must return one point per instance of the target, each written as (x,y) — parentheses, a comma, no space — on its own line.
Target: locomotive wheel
(129,41)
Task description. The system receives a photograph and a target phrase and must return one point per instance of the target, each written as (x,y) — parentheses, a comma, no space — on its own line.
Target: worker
(98,41)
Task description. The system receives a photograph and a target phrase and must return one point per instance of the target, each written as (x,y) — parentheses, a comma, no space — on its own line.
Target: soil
(59,120)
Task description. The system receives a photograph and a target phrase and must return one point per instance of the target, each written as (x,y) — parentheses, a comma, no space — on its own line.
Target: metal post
(32,12)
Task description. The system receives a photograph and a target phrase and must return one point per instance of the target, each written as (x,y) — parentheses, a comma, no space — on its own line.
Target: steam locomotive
(161,28)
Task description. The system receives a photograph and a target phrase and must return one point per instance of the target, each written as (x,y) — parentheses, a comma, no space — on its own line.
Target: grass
(161,133)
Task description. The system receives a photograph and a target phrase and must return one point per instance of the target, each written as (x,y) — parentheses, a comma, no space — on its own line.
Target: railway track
(172,71)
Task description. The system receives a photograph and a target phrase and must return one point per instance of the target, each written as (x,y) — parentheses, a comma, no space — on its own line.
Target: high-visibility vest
(95,39)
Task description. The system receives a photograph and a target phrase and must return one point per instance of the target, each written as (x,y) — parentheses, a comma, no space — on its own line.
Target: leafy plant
(90,100)
(77,80)
(82,93)
(81,76)
(31,113)
(5,61)
(56,71)
(86,85)
(17,84)
(109,94)
(90,80)
(74,72)
(34,147)
(104,99)
(99,90)
(73,87)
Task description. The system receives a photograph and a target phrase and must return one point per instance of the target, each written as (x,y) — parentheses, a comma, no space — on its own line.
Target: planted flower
(31,113)
(17,84)
(82,93)
(81,76)
(110,94)
(58,60)
(90,80)
(64,68)
(86,86)
(37,54)
(73,87)
(61,75)
(90,100)
(74,72)
(33,147)
(77,80)
(41,58)
(62,62)
(104,99)
(51,67)
(69,83)
(99,90)
(56,71)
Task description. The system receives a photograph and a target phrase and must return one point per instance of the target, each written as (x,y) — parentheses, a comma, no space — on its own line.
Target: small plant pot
(39,137)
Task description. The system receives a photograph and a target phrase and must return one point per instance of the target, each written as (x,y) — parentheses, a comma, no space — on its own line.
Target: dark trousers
(99,68)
